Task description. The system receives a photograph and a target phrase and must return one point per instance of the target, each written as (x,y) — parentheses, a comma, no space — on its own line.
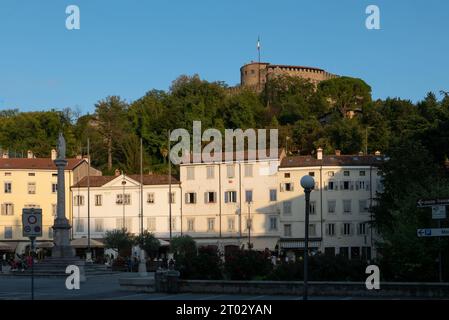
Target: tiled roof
(331,160)
(151,179)
(36,163)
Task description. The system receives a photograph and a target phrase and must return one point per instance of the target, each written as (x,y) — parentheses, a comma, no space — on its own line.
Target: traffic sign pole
(32,267)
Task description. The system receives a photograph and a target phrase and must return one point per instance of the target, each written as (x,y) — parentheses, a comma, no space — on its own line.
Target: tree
(111,118)
(149,243)
(345,94)
(120,240)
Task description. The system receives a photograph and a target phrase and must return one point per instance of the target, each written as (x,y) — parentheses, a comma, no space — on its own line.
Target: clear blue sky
(128,47)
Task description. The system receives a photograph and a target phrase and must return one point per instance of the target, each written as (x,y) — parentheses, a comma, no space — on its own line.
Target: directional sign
(32,222)
(421,203)
(438,212)
(440,232)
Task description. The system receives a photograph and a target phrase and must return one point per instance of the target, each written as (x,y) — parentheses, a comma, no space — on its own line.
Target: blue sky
(129,47)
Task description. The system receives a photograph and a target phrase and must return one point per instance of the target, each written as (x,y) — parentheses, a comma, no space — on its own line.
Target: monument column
(61,228)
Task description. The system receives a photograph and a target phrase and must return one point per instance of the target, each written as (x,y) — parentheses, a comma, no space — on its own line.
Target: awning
(263,243)
(8,246)
(298,244)
(44,245)
(81,243)
(164,243)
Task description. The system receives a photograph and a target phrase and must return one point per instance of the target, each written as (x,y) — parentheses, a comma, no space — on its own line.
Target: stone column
(61,228)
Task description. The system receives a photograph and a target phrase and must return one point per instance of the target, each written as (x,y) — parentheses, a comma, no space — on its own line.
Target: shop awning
(298,244)
(8,246)
(263,243)
(164,243)
(81,243)
(44,245)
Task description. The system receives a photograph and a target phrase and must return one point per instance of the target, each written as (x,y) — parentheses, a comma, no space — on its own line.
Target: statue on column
(61,146)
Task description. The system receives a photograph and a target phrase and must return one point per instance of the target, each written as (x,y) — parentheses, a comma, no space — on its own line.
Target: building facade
(232,203)
(32,183)
(345,186)
(115,202)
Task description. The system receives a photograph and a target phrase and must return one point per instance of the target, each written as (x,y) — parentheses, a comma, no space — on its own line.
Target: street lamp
(308,183)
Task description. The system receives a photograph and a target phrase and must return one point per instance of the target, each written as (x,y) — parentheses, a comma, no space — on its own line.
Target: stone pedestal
(61,236)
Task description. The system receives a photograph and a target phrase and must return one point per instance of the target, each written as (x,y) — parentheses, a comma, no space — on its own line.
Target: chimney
(150,172)
(338,152)
(79,157)
(377,153)
(53,154)
(117,172)
(87,159)
(361,153)
(30,154)
(5,154)
(319,154)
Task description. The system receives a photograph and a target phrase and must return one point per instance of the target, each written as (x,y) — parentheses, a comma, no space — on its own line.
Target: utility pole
(141,187)
(169,188)
(89,252)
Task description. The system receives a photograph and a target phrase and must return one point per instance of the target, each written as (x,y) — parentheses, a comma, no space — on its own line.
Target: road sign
(440,232)
(32,222)
(438,212)
(421,203)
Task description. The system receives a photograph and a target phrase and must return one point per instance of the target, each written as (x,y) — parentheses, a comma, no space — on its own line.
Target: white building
(115,201)
(221,199)
(345,186)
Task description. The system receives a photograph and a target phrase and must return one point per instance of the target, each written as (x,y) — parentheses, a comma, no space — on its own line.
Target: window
(230,170)
(31,174)
(273,195)
(363,206)
(231,224)
(346,185)
(344,251)
(8,233)
(249,196)
(190,197)
(7,209)
(273,223)
(54,187)
(151,224)
(287,207)
(98,200)
(210,224)
(362,173)
(53,209)
(346,173)
(347,206)
(150,197)
(210,172)
(190,173)
(287,230)
(287,175)
(360,185)
(347,229)
(312,174)
(78,200)
(173,223)
(287,186)
(79,225)
(171,197)
(190,224)
(331,185)
(127,226)
(312,230)
(361,229)
(230,196)
(355,253)
(54,174)
(329,251)
(31,187)
(7,173)
(248,170)
(331,204)
(312,207)
(123,199)
(210,197)
(32,205)
(366,253)
(99,225)
(331,174)
(8,187)
(330,229)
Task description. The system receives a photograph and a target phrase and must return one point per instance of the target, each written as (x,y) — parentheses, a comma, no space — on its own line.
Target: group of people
(18,263)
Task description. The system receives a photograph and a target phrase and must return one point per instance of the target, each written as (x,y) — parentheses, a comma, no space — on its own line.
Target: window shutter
(282,187)
(186,196)
(194,197)
(367,186)
(12,209)
(357,185)
(351,185)
(206,198)
(215,197)
(292,187)
(342,229)
(3,209)
(226,197)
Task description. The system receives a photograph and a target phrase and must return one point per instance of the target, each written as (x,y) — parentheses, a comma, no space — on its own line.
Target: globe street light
(308,183)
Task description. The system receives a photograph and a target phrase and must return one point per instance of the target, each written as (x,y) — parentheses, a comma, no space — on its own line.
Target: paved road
(107,288)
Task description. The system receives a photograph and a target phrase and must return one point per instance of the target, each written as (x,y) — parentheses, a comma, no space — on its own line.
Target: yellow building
(32,182)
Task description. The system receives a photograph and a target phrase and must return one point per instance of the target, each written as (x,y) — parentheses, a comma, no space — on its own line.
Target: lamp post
(308,183)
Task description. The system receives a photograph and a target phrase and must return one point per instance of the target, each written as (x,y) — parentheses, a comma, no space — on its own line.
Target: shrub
(247,265)
(121,240)
(207,265)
